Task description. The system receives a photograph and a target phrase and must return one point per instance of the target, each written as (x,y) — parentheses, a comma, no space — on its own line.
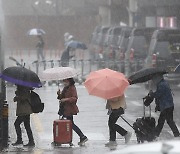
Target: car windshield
(139,44)
(165,46)
(162,49)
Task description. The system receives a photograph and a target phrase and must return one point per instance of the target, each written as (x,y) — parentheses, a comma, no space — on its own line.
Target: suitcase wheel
(55,144)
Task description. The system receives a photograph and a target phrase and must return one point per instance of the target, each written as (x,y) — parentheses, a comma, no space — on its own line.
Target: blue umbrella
(177,69)
(21,76)
(77,45)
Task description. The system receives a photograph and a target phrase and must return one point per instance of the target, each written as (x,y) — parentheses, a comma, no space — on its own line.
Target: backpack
(36,104)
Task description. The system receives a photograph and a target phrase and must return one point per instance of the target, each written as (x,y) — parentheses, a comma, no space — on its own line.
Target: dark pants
(74,127)
(167,115)
(26,120)
(113,127)
(40,54)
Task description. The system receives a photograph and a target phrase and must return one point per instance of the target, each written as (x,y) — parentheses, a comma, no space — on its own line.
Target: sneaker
(83,140)
(127,137)
(30,144)
(111,143)
(17,143)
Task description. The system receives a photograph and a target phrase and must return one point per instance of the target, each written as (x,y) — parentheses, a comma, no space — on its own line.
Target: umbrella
(21,76)
(145,74)
(36,31)
(58,73)
(161,147)
(106,83)
(77,45)
(177,69)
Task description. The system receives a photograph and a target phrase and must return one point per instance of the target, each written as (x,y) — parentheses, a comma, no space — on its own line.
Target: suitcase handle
(144,109)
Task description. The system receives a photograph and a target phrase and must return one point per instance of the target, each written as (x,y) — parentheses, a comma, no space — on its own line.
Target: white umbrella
(161,147)
(36,31)
(58,73)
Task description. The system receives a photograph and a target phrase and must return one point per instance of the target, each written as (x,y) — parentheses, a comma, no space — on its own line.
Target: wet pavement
(92,120)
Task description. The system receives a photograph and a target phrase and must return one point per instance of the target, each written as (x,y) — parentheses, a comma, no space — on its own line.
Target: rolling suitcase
(144,127)
(62,132)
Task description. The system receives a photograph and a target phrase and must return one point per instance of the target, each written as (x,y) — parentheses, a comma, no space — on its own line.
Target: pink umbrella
(106,83)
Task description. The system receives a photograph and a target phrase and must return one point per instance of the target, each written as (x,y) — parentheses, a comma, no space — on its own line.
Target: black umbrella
(21,76)
(145,74)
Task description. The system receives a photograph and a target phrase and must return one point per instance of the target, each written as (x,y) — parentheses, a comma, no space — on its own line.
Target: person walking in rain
(116,107)
(66,38)
(65,57)
(23,112)
(67,53)
(68,107)
(40,48)
(164,104)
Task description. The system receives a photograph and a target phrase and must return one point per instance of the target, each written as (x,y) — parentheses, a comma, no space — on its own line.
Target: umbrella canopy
(177,69)
(145,74)
(58,73)
(77,45)
(161,147)
(106,83)
(36,31)
(21,76)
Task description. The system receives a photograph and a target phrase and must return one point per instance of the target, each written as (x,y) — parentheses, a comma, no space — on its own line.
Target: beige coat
(116,103)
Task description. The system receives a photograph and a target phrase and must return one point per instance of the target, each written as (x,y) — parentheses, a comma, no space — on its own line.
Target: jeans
(113,127)
(74,127)
(26,120)
(167,115)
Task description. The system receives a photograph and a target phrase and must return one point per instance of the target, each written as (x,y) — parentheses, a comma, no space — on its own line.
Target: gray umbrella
(145,74)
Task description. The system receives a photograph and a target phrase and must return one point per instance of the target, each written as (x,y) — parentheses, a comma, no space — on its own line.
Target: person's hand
(150,93)
(59,92)
(64,100)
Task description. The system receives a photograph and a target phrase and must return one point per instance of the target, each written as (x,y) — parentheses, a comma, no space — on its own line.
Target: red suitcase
(62,132)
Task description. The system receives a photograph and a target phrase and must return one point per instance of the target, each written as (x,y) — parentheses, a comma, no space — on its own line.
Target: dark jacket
(23,103)
(163,95)
(70,108)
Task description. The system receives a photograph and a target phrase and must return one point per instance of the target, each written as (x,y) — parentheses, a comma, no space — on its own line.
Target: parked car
(122,46)
(94,43)
(137,49)
(100,42)
(107,37)
(164,52)
(95,34)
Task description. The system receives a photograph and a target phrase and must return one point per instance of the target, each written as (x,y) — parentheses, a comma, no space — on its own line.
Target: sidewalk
(92,120)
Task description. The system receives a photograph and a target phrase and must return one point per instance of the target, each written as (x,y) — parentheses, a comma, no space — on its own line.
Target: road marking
(37,123)
(95,136)
(135,103)
(38,151)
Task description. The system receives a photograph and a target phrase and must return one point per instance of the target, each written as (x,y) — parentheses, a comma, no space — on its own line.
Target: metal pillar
(3,104)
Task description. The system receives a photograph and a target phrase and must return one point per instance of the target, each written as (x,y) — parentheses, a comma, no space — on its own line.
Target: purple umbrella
(21,76)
